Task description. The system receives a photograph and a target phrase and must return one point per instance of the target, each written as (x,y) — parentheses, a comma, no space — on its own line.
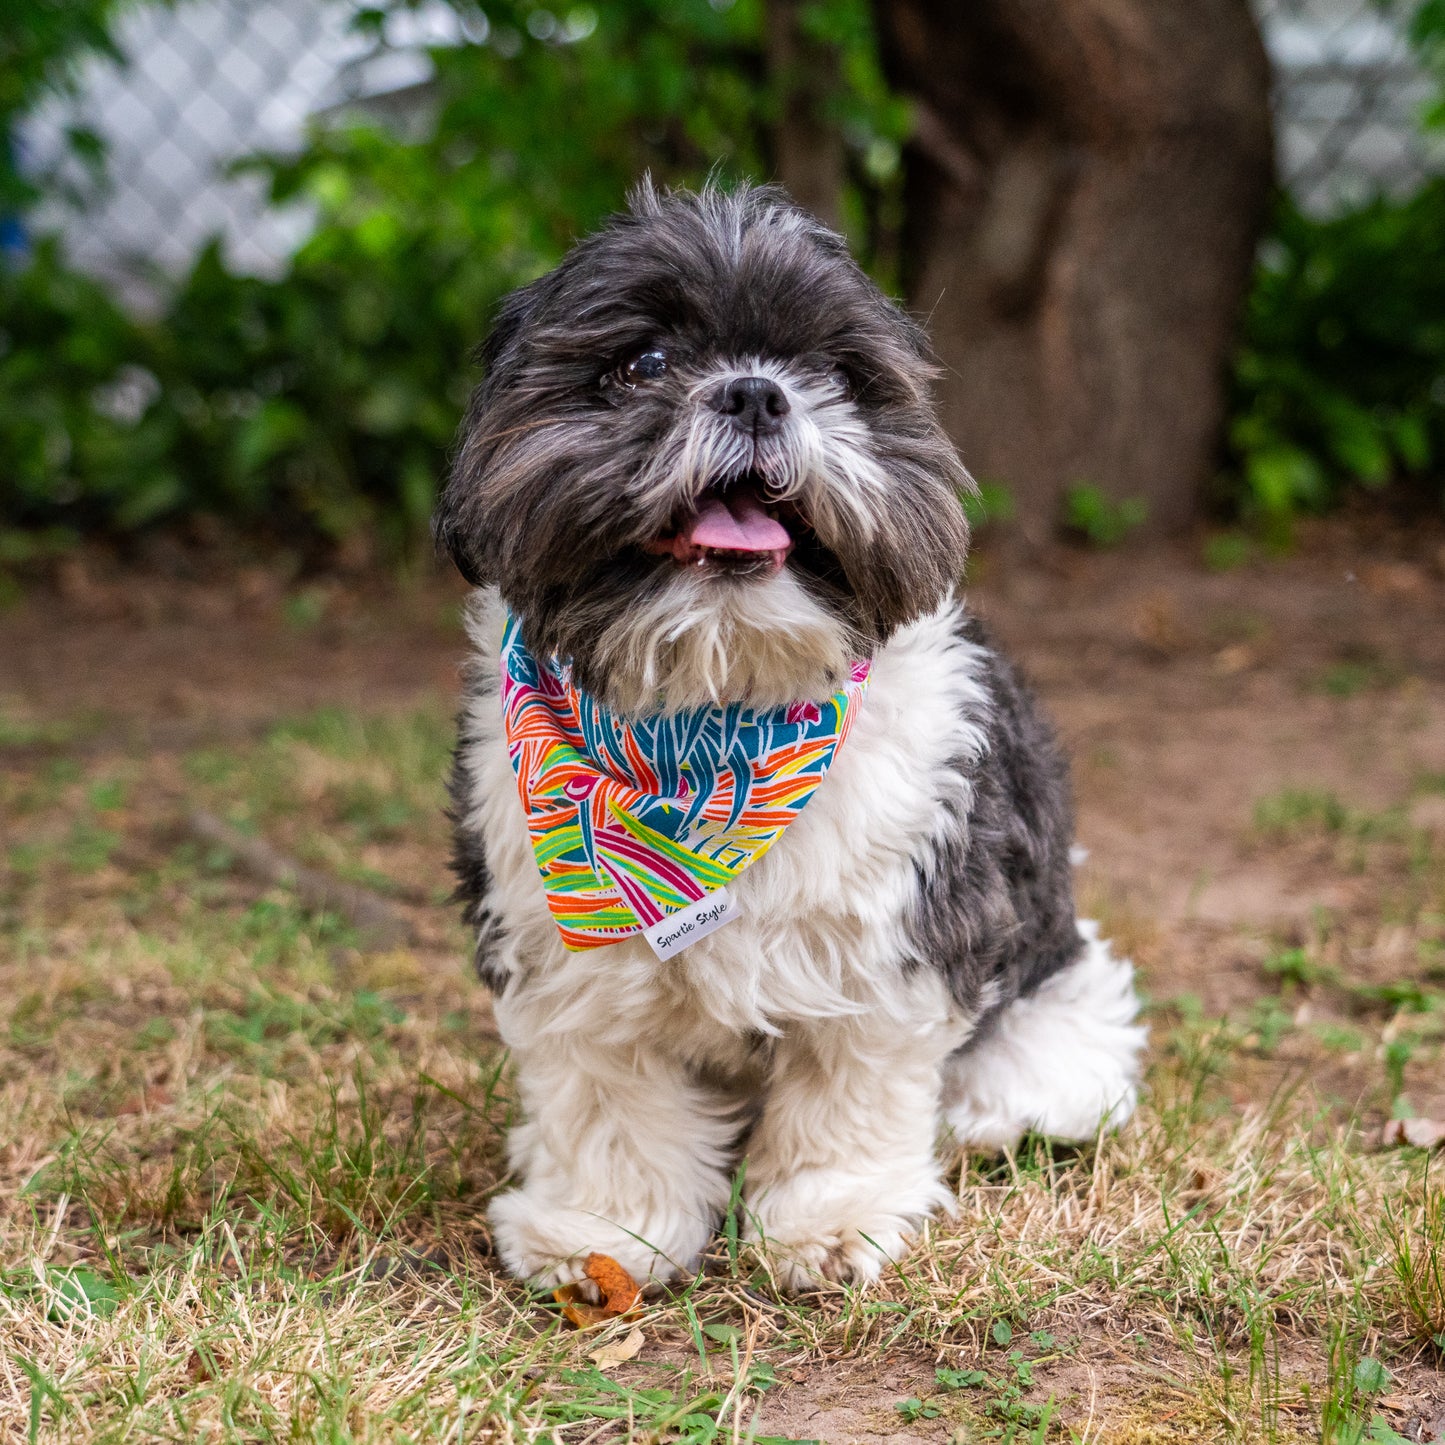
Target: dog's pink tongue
(737,524)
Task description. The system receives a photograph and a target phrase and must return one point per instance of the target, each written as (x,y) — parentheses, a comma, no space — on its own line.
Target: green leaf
(1104,521)
(961,1379)
(762,1377)
(915,1409)
(82,1288)
(1381,1432)
(991,502)
(276,428)
(157,496)
(1002,1332)
(1370,1376)
(1283,479)
(1411,435)
(1359,443)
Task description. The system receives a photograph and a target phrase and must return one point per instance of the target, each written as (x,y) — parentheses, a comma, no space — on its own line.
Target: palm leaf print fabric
(633,819)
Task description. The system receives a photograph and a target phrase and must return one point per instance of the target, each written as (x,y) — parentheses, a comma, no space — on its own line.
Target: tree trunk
(808,145)
(1084,190)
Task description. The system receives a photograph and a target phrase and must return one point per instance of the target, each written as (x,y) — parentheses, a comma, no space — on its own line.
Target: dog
(702,487)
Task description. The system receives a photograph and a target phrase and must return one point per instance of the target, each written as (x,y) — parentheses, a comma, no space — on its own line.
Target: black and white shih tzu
(703,471)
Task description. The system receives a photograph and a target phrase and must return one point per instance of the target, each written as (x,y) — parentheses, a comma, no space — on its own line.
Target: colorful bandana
(639,826)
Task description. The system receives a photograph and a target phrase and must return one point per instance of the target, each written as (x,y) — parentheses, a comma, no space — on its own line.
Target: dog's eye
(648,367)
(839,381)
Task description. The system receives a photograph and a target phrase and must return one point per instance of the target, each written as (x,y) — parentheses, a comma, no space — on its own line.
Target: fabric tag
(690,923)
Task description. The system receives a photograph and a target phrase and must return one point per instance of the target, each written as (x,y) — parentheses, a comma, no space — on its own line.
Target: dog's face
(703,463)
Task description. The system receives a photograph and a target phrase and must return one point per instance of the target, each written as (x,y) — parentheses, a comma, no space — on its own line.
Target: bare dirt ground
(1183,695)
(1214,718)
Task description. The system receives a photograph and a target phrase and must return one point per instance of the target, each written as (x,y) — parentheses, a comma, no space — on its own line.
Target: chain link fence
(206,83)
(209,81)
(1348,94)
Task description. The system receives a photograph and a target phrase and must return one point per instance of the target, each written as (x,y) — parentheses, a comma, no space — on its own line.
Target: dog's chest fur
(828,922)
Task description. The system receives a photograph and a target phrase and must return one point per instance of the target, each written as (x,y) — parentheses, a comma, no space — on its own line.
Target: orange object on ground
(621,1294)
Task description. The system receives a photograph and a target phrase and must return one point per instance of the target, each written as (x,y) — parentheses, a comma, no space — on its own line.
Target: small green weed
(1267,1023)
(1104,522)
(1351,1389)
(1298,810)
(305,609)
(1414,1240)
(1295,966)
(999,1396)
(992,502)
(914,1409)
(1227,551)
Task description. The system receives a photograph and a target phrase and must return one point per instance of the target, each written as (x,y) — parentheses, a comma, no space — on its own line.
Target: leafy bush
(325,401)
(1341,378)
(39,47)
(1091,514)
(69,445)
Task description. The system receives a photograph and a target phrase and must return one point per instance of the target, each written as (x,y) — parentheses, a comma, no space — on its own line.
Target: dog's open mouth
(735,528)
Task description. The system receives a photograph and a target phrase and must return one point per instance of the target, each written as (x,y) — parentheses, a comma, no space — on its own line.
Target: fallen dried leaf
(1420,1133)
(620,1291)
(620,1294)
(577,1309)
(618,1352)
(1158,627)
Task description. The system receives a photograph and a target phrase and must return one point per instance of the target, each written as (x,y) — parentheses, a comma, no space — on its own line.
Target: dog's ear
(500,345)
(448,536)
(450,522)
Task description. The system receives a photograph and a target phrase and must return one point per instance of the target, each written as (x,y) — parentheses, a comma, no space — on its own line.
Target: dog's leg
(621,1153)
(841,1168)
(1063,1061)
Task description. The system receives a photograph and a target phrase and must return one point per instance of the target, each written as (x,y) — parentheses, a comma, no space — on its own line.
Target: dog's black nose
(756,404)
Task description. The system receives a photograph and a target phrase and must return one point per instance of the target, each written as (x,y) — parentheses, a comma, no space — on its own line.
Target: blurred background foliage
(40,46)
(318,405)
(324,401)
(1340,377)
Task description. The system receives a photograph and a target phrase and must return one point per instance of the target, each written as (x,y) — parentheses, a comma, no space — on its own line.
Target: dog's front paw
(822,1227)
(547,1243)
(855,1256)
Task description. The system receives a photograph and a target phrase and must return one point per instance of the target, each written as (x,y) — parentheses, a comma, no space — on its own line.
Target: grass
(244,1166)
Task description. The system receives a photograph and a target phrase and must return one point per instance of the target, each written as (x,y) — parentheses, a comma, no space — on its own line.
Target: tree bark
(808,144)
(1084,189)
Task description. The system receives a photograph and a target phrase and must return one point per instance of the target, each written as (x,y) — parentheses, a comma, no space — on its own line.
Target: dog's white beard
(704,640)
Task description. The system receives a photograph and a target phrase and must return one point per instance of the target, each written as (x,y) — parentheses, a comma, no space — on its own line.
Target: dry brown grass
(243,1171)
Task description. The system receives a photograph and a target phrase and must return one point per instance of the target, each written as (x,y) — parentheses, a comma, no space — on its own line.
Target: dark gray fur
(539,504)
(540,500)
(995,896)
(469,855)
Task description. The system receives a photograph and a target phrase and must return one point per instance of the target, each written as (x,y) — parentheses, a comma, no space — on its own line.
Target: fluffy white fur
(635,1075)
(694,647)
(1062,1061)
